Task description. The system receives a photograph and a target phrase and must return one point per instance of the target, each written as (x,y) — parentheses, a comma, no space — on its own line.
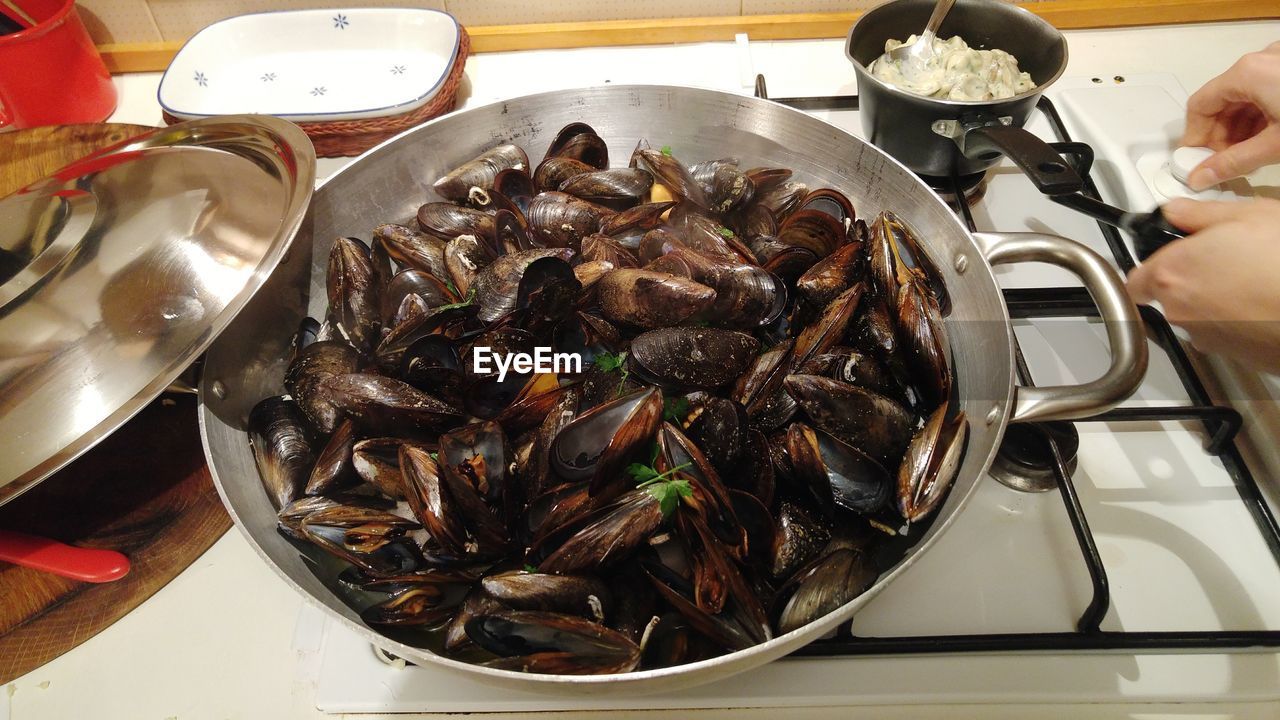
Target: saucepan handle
(1125,330)
(1042,164)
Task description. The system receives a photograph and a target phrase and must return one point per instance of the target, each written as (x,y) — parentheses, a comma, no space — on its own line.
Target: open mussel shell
(931,463)
(923,336)
(471,181)
(580,595)
(464,257)
(498,285)
(539,396)
(480,451)
(598,444)
(838,474)
(315,363)
(829,329)
(797,540)
(724,184)
(383,405)
(692,357)
(517,186)
(431,364)
(651,299)
(353,297)
(550,289)
(377,462)
(608,535)
(782,198)
(896,253)
(281,448)
(476,603)
(579,141)
(638,219)
(835,579)
(867,420)
(417,605)
(433,291)
(377,547)
(760,388)
(719,426)
(546,642)
(603,247)
(855,368)
(430,500)
(411,248)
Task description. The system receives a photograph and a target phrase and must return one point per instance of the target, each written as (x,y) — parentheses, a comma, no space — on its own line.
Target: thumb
(1239,159)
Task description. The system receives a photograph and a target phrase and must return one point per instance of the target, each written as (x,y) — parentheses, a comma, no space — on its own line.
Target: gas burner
(1025,462)
(971,187)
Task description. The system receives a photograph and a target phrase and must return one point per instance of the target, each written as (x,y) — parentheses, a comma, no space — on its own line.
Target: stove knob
(1186,159)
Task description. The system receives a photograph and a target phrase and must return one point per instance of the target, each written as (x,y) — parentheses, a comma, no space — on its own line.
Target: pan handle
(1125,330)
(1043,165)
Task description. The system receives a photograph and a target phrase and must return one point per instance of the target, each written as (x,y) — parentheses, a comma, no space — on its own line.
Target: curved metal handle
(1125,330)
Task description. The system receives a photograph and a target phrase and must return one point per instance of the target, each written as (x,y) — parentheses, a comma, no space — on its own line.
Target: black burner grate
(1221,425)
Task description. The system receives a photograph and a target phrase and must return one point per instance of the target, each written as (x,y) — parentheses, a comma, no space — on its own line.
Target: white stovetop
(227,639)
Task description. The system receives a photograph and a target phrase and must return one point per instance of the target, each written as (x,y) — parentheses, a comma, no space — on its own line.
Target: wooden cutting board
(144,491)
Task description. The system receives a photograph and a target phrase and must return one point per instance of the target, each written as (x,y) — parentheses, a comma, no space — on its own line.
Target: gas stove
(1140,562)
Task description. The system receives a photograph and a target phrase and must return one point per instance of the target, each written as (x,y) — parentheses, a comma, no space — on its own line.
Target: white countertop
(223,640)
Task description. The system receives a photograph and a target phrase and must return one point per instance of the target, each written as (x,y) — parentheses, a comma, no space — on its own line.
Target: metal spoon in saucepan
(912,58)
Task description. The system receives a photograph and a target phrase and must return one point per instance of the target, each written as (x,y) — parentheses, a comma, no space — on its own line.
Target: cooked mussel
(281,449)
(472,181)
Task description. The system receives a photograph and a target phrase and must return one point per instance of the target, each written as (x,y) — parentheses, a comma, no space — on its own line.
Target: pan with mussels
(780,365)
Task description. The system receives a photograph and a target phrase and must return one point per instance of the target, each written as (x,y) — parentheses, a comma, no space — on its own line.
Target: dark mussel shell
(539,396)
(651,299)
(536,473)
(433,291)
(384,405)
(516,186)
(837,472)
(579,141)
(431,364)
(483,447)
(671,174)
(581,595)
(855,368)
(498,285)
(931,463)
(709,500)
(550,290)
(766,178)
(609,536)
(465,256)
(826,585)
(760,388)
(415,325)
(556,171)
(544,642)
(415,606)
(603,247)
(829,329)
(698,230)
(619,189)
(598,443)
(692,357)
(923,336)
(411,249)
(377,462)
(754,472)
(719,426)
(317,362)
(867,420)
(471,181)
(476,603)
(782,198)
(558,219)
(333,465)
(812,230)
(447,221)
(799,538)
(640,218)
(431,501)
(353,296)
(281,449)
(724,184)
(832,275)
(747,296)
(896,254)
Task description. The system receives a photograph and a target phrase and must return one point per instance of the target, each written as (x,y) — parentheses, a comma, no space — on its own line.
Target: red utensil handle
(77,563)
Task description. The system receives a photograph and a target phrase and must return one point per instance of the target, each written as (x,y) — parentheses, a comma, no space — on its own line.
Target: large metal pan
(389,183)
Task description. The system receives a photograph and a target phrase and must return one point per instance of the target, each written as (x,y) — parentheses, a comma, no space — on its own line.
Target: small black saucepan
(957,138)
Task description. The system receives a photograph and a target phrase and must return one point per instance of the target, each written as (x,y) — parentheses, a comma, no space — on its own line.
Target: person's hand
(1238,115)
(1219,283)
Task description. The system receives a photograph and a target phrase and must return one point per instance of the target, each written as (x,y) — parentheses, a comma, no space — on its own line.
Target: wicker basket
(343,138)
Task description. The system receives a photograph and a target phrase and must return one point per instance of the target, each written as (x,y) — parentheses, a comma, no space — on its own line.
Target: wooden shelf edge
(1064,14)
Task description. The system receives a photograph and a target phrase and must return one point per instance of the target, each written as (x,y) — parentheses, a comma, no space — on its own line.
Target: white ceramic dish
(313,65)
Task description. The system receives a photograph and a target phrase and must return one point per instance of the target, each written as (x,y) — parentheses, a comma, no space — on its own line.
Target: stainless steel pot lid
(120,269)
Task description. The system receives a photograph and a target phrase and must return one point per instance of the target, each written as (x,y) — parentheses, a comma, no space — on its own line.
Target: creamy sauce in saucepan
(956,72)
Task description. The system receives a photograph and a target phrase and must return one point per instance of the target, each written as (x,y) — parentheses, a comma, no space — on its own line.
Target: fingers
(1193,216)
(1237,160)
(1250,81)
